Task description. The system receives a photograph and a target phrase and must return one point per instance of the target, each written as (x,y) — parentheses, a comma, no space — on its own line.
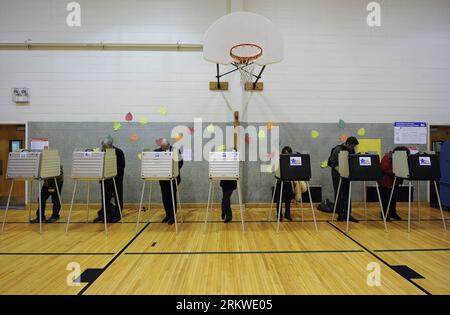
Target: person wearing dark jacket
(110,192)
(288,192)
(49,189)
(166,189)
(333,162)
(387,182)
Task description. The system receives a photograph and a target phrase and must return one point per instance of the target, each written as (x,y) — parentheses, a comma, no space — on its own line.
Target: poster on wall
(410,133)
(39,143)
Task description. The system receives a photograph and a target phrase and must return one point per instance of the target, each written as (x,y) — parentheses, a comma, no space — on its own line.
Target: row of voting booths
(89,165)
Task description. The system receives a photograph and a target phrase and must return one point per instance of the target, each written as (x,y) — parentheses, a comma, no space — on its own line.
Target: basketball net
(245,55)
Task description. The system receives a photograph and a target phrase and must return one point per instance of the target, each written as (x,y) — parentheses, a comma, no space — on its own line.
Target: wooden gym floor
(297,260)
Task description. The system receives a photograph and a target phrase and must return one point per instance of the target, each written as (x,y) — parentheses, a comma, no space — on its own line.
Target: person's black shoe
(223,215)
(52,219)
(115,220)
(281,217)
(288,217)
(165,220)
(33,221)
(170,221)
(395,216)
(341,219)
(352,219)
(98,220)
(228,218)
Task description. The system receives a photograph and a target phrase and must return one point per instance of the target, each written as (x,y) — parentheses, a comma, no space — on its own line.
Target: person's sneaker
(98,220)
(165,219)
(352,219)
(170,221)
(33,221)
(395,216)
(52,219)
(288,217)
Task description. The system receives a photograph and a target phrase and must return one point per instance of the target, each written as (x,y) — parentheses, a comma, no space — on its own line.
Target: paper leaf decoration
(139,156)
(162,110)
(97,150)
(261,134)
(129,117)
(269,126)
(324,164)
(361,132)
(143,120)
(134,137)
(178,137)
(117,126)
(341,123)
(248,139)
(221,148)
(210,128)
(191,130)
(314,134)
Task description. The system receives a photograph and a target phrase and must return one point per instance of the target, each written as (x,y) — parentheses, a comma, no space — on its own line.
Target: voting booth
(360,168)
(293,167)
(416,167)
(29,166)
(223,166)
(155,166)
(89,165)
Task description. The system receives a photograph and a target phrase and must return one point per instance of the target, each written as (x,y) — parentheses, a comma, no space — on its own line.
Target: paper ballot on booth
(224,165)
(157,164)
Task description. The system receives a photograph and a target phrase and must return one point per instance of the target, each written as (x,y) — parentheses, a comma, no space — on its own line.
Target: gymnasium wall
(335,65)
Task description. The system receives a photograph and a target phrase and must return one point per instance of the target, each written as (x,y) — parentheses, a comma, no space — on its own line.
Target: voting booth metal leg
(59,195)
(336,200)
(365,200)
(207,205)
(390,197)
(349,203)
(212,198)
(40,206)
(117,199)
(312,207)
(240,205)
(280,206)
(440,205)
(381,206)
(140,207)
(104,207)
(149,201)
(30,199)
(71,205)
(87,203)
(418,198)
(173,206)
(7,204)
(301,201)
(409,206)
(179,202)
(269,214)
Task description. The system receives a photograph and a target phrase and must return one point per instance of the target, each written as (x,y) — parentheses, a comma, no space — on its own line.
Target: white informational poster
(39,143)
(410,133)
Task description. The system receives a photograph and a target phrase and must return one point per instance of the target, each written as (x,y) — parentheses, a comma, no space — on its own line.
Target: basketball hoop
(245,54)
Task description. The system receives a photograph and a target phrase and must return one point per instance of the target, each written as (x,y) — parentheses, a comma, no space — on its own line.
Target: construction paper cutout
(314,134)
(248,139)
(221,148)
(139,156)
(191,130)
(158,141)
(269,126)
(269,169)
(261,134)
(134,137)
(162,110)
(341,123)
(343,138)
(369,145)
(270,155)
(324,164)
(143,120)
(210,128)
(178,137)
(361,132)
(96,150)
(129,117)
(117,126)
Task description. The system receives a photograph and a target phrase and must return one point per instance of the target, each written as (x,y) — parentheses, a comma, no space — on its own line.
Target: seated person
(386,185)
(49,189)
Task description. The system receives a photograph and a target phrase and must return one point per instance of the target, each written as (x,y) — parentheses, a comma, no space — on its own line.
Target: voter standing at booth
(333,162)
(386,184)
(49,189)
(112,213)
(166,191)
(288,192)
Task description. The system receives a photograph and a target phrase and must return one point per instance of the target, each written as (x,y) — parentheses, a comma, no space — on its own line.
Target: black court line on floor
(96,273)
(55,254)
(249,252)
(379,258)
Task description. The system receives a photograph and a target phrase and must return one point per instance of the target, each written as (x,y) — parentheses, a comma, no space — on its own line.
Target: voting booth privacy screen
(424,167)
(294,167)
(32,164)
(158,165)
(223,165)
(94,165)
(364,167)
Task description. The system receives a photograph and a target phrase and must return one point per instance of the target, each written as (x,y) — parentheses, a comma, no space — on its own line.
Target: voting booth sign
(295,167)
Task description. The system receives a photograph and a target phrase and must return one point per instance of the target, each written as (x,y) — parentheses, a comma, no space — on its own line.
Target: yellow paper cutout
(261,134)
(97,150)
(162,110)
(369,145)
(324,164)
(210,128)
(143,120)
(361,132)
(221,148)
(117,126)
(314,134)
(139,156)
